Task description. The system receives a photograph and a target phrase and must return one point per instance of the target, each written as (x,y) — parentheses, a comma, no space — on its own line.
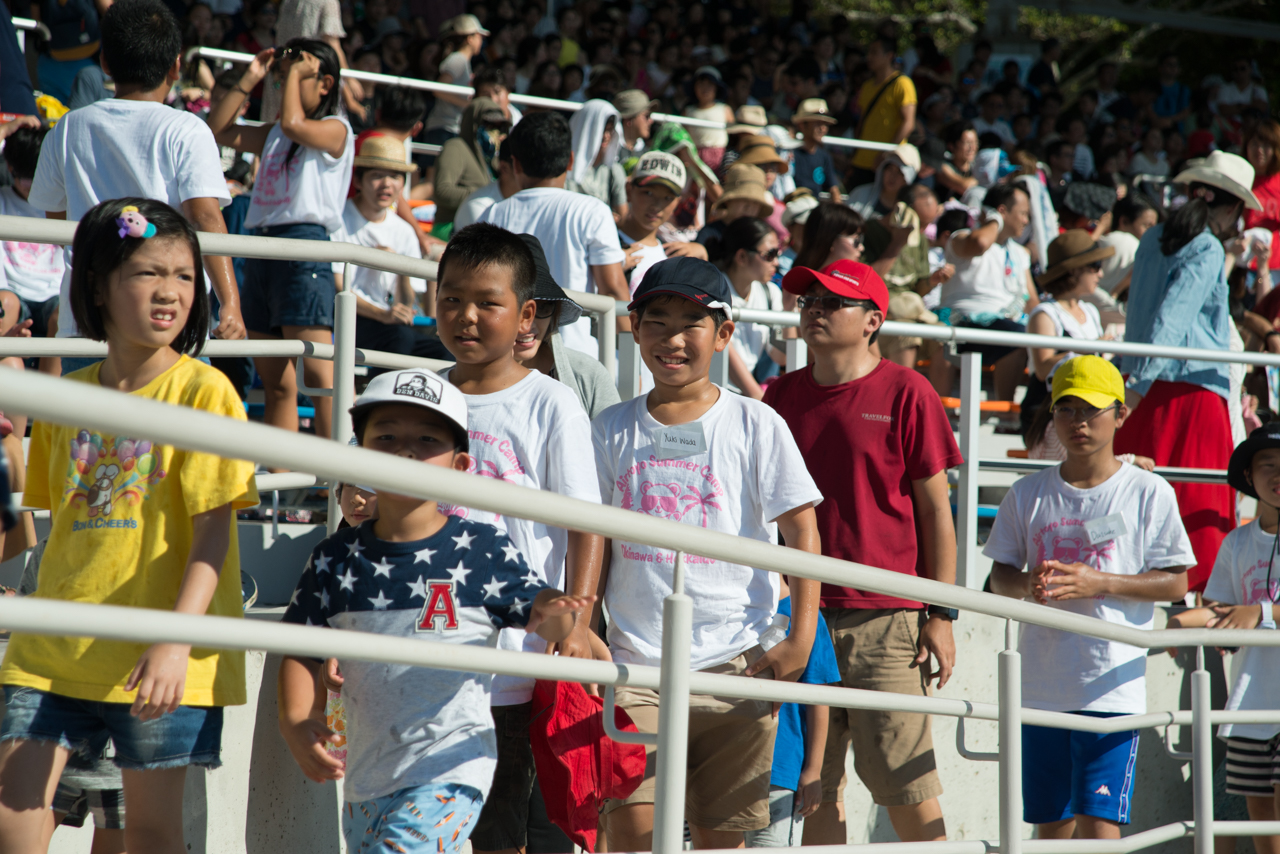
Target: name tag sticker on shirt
(1106,528)
(685,440)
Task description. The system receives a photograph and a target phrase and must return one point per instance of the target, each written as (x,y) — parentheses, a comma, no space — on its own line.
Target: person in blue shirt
(1173,105)
(795,785)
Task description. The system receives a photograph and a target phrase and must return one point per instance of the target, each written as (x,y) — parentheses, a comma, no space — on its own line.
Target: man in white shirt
(135,145)
(578,232)
(990,106)
(1242,92)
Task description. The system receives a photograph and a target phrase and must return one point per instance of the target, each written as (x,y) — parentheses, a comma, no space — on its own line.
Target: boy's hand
(809,794)
(685,250)
(1235,617)
(331,675)
(1068,581)
(936,639)
(160,677)
(8,129)
(20,330)
(306,739)
(558,606)
(577,644)
(787,660)
(398,314)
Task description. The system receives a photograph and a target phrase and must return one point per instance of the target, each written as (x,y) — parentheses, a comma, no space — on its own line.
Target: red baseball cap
(851,279)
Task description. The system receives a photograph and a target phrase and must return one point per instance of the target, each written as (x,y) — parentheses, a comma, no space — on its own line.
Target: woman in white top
(300,192)
(748,255)
(710,142)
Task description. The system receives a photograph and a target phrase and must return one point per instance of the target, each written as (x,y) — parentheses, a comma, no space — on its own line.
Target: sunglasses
(546,309)
(829,303)
(771,255)
(1072,415)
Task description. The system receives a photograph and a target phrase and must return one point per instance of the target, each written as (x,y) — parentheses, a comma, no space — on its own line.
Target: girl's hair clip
(133,224)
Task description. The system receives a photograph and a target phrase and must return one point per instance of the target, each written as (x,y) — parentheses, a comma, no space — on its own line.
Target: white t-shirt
(534,434)
(749,339)
(392,233)
(999,127)
(311,189)
(1240,577)
(994,282)
(1043,518)
(443,114)
(1229,93)
(576,232)
(1066,323)
(33,271)
(1115,268)
(1140,164)
(646,256)
(475,204)
(749,474)
(117,148)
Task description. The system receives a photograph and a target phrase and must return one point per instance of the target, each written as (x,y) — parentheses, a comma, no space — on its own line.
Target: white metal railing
(515,97)
(110,411)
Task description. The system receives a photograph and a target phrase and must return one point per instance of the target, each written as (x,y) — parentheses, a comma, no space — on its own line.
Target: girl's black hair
(826,222)
(329,65)
(98,250)
(1190,219)
(745,232)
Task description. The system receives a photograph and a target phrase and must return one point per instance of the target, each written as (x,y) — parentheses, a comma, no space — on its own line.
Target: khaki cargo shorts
(892,751)
(730,753)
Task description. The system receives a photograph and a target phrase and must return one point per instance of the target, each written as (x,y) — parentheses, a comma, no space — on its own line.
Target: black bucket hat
(1266,436)
(545,287)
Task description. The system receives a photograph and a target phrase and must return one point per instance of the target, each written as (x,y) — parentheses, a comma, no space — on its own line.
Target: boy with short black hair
(878,443)
(690,451)
(420,755)
(1098,537)
(526,428)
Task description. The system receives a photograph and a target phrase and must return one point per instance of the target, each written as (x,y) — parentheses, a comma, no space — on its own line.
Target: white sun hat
(1229,172)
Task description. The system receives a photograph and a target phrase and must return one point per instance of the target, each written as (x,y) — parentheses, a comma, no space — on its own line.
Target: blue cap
(691,278)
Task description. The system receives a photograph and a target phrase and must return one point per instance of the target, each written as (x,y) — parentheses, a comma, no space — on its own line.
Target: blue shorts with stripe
(434,819)
(1067,773)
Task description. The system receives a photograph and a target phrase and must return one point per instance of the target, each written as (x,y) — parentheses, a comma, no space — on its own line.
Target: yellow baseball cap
(1091,378)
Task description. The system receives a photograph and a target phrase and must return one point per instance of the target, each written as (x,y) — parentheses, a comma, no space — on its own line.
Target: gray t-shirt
(443,114)
(606,182)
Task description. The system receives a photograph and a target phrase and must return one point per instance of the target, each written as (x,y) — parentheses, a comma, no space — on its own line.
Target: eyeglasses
(1096,266)
(289,53)
(1072,415)
(546,309)
(771,255)
(830,303)
(855,239)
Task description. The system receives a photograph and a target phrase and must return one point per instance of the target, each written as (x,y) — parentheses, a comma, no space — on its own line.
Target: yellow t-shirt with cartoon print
(121,535)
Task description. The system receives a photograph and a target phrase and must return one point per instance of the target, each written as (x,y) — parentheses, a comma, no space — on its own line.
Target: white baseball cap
(659,167)
(418,387)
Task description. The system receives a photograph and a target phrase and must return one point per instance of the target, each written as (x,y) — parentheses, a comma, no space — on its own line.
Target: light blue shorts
(432,819)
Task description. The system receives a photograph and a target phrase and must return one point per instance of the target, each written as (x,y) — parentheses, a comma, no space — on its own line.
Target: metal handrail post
(673,717)
(1202,756)
(1011,744)
(628,366)
(797,354)
(607,335)
(344,376)
(967,489)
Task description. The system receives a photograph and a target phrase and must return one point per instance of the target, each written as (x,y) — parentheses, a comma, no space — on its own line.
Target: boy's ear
(527,312)
(172,75)
(723,335)
(461,461)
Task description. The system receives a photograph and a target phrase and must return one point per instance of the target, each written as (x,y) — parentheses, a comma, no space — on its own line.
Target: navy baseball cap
(691,278)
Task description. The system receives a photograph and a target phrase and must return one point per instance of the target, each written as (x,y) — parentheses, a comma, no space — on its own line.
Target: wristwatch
(950,614)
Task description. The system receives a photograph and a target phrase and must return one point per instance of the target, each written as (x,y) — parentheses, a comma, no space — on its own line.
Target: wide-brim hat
(463,25)
(1266,436)
(1229,172)
(1070,250)
(751,118)
(745,181)
(758,150)
(546,288)
(632,102)
(379,151)
(813,110)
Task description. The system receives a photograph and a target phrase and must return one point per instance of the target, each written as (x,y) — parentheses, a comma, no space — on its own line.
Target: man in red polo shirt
(878,443)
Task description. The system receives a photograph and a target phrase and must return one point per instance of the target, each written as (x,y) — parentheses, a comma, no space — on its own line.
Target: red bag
(578,765)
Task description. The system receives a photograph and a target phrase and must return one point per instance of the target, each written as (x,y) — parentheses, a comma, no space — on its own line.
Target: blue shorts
(1067,773)
(287,293)
(190,736)
(433,819)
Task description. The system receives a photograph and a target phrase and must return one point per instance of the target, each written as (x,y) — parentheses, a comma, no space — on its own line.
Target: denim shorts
(433,819)
(190,736)
(287,293)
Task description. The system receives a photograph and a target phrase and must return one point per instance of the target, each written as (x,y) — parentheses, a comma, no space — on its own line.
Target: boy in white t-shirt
(1103,538)
(653,190)
(1241,594)
(690,451)
(384,301)
(529,429)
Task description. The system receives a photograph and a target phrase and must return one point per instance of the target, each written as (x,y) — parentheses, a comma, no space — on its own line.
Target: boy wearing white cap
(420,742)
(653,191)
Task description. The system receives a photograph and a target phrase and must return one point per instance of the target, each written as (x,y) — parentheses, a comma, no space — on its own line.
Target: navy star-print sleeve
(509,586)
(310,605)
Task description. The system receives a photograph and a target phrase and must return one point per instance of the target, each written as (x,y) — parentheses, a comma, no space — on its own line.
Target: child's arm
(809,794)
(222,118)
(787,660)
(322,135)
(301,713)
(582,567)
(1010,581)
(1236,617)
(554,614)
(161,673)
(938,548)
(1055,581)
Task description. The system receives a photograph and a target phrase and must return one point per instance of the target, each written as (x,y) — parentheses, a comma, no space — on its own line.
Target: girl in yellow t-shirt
(133,523)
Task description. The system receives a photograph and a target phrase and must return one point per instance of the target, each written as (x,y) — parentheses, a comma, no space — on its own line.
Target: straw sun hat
(1071,250)
(744,181)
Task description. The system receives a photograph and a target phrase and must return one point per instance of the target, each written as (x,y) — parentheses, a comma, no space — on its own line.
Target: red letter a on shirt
(440,613)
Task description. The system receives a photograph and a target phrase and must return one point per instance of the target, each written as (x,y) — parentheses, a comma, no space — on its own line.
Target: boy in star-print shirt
(421,749)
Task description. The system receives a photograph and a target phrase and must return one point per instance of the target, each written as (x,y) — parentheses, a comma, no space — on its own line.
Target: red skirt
(1185,425)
